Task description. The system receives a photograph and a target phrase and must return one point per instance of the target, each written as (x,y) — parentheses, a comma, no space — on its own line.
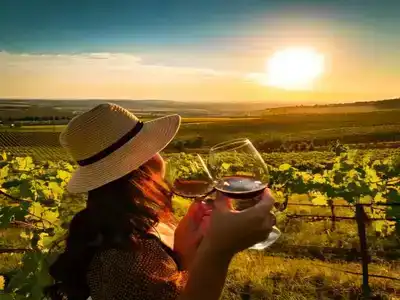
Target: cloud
(108,64)
(104,75)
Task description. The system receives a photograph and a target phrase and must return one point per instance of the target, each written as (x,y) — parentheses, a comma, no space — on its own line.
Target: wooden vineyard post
(54,125)
(361,219)
(333,223)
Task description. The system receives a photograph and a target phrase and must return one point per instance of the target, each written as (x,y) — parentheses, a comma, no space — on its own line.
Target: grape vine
(33,198)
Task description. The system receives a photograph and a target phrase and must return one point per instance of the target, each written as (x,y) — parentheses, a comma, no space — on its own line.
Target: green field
(283,132)
(185,120)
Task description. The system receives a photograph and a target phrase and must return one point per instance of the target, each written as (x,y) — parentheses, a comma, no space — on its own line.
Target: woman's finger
(205,224)
(208,204)
(223,203)
(269,221)
(196,237)
(196,212)
(260,212)
(267,200)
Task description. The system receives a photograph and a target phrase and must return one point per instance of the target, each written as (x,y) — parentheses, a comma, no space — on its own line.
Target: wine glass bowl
(188,177)
(238,169)
(240,173)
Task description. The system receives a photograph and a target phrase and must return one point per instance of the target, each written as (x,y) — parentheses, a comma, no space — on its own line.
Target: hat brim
(153,138)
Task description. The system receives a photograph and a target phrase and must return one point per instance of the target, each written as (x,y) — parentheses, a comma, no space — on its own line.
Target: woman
(126,244)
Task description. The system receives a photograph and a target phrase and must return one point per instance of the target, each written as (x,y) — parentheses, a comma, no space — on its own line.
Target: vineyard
(320,196)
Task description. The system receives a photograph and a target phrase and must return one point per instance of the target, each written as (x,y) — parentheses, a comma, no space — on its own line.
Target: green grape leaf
(51,215)
(25,190)
(36,209)
(24,163)
(26,235)
(47,240)
(4,172)
(56,189)
(11,183)
(318,178)
(379,198)
(284,167)
(371,175)
(378,225)
(365,199)
(9,214)
(226,166)
(2,283)
(32,277)
(63,175)
(320,200)
(4,156)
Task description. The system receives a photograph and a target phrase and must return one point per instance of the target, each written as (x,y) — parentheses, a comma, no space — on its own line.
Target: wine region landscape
(334,171)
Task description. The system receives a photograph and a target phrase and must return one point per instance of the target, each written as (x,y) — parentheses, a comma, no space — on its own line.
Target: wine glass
(240,173)
(188,176)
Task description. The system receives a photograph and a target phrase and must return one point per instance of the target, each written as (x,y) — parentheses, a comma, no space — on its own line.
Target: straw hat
(108,142)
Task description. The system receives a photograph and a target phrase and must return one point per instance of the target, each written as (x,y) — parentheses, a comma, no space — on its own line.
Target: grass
(267,277)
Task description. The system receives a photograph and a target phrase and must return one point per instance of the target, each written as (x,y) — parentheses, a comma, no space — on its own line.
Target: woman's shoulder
(147,256)
(138,254)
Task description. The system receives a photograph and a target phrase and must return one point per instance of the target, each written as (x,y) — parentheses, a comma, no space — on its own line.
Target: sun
(294,68)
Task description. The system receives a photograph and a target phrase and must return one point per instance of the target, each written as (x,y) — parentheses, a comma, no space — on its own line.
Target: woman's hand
(229,232)
(222,230)
(189,232)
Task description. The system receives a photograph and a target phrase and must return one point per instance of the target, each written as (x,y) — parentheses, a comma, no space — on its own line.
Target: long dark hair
(116,214)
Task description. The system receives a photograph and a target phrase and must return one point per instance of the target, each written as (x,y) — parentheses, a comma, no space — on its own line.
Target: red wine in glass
(240,187)
(191,188)
(243,190)
(188,176)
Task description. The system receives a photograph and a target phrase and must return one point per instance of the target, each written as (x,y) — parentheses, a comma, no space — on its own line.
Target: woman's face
(157,165)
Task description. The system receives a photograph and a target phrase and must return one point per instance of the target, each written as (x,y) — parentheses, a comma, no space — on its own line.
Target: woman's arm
(207,275)
(228,233)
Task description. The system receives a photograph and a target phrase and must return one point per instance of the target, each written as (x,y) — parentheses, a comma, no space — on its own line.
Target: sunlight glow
(294,68)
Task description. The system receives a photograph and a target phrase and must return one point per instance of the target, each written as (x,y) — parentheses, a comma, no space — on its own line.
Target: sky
(190,50)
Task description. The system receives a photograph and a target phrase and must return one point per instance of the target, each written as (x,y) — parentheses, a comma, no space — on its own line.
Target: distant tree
(179,145)
(339,148)
(283,148)
(311,146)
(292,147)
(198,142)
(303,146)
